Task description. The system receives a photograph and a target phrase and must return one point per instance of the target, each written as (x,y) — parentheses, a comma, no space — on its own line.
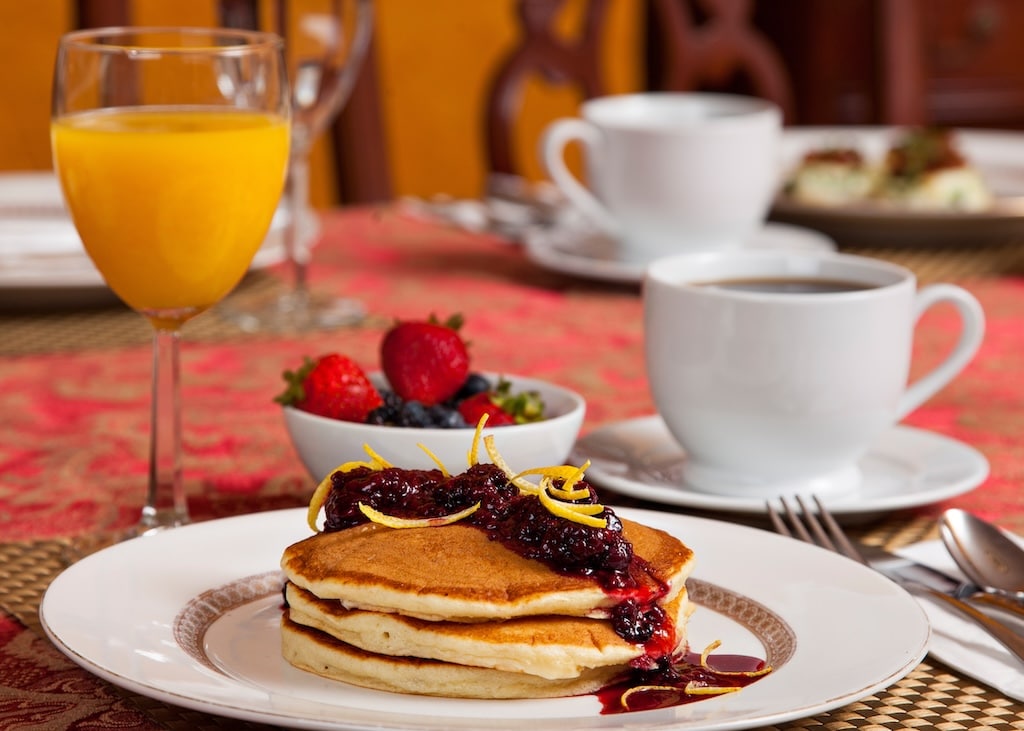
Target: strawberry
(332,386)
(479,404)
(501,407)
(425,361)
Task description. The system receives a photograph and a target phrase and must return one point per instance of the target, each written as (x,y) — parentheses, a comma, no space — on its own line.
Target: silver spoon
(987,557)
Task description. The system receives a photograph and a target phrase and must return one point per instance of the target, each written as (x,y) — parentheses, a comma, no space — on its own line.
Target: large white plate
(189,616)
(42,262)
(581,251)
(998,155)
(904,468)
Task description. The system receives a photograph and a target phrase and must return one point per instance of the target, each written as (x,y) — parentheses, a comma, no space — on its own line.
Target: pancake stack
(448,611)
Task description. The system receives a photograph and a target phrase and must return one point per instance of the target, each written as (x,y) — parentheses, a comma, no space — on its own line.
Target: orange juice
(171,204)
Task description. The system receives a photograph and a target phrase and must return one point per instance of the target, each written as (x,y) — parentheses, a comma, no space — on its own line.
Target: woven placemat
(33,331)
(931,696)
(952,263)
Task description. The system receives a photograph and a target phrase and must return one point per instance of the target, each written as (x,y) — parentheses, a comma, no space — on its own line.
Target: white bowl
(324,443)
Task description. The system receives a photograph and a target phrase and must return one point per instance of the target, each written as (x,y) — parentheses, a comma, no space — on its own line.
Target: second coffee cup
(775,371)
(670,172)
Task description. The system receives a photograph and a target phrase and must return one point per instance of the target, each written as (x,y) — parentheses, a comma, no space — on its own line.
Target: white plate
(585,253)
(906,467)
(175,617)
(42,262)
(998,156)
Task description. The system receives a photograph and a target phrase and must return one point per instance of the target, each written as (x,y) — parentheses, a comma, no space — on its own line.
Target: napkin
(960,643)
(33,220)
(38,236)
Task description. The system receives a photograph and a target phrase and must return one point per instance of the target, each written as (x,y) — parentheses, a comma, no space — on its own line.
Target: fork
(815,525)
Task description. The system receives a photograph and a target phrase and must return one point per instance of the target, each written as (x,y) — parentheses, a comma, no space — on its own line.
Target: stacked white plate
(42,261)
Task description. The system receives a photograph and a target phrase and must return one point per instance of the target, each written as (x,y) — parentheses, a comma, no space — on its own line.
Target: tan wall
(435,60)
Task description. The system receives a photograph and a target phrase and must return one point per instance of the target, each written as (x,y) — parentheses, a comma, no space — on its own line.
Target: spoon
(987,557)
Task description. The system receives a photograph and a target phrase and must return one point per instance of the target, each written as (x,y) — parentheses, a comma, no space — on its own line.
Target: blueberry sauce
(519,522)
(523,525)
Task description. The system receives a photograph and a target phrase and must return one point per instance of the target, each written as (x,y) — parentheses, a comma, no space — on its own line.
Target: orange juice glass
(171,204)
(171,146)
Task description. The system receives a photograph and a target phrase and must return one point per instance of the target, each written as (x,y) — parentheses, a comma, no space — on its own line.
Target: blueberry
(632,623)
(475,383)
(391,399)
(445,417)
(380,416)
(413,413)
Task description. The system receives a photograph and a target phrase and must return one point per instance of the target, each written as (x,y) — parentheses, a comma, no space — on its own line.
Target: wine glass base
(295,312)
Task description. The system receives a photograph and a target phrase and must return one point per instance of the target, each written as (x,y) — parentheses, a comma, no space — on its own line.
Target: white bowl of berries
(334,411)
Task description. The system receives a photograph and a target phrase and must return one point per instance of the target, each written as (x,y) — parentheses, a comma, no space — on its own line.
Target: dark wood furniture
(946,62)
(361,170)
(707,44)
(826,62)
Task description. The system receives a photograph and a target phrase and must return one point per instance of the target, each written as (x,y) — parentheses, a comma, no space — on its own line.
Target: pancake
(552,647)
(455,573)
(317,652)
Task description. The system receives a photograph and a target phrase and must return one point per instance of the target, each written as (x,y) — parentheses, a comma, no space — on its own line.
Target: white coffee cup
(777,393)
(670,172)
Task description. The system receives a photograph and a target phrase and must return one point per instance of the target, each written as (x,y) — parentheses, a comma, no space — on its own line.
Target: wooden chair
(683,53)
(690,45)
(359,154)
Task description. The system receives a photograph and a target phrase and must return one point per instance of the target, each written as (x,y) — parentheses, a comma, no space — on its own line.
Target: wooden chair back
(358,151)
(711,45)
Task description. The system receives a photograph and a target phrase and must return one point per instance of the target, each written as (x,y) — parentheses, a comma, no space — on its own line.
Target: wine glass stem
(297,193)
(166,505)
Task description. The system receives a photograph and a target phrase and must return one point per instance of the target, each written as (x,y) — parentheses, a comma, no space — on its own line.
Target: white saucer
(589,254)
(906,467)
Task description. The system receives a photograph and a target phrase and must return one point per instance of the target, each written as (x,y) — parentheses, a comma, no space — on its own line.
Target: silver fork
(815,525)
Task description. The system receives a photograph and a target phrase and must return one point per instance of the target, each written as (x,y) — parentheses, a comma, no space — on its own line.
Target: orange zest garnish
(551,497)
(738,673)
(569,475)
(317,501)
(379,463)
(624,698)
(696,688)
(392,521)
(438,462)
(559,500)
(322,490)
(567,491)
(576,512)
(475,445)
(525,486)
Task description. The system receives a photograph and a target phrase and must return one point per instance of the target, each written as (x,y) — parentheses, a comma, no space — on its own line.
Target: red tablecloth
(74,425)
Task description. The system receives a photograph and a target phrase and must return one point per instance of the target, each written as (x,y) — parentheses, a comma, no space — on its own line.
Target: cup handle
(559,134)
(972,319)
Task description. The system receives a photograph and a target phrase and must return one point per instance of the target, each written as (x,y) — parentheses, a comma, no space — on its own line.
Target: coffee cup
(670,172)
(776,371)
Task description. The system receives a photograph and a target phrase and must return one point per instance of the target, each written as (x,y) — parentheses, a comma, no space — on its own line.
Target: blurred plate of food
(898,186)
(42,261)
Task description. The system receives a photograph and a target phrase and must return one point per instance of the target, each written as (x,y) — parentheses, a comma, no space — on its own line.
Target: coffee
(788,285)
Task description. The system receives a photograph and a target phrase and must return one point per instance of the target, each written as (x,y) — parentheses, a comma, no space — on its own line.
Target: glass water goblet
(171,147)
(325,44)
